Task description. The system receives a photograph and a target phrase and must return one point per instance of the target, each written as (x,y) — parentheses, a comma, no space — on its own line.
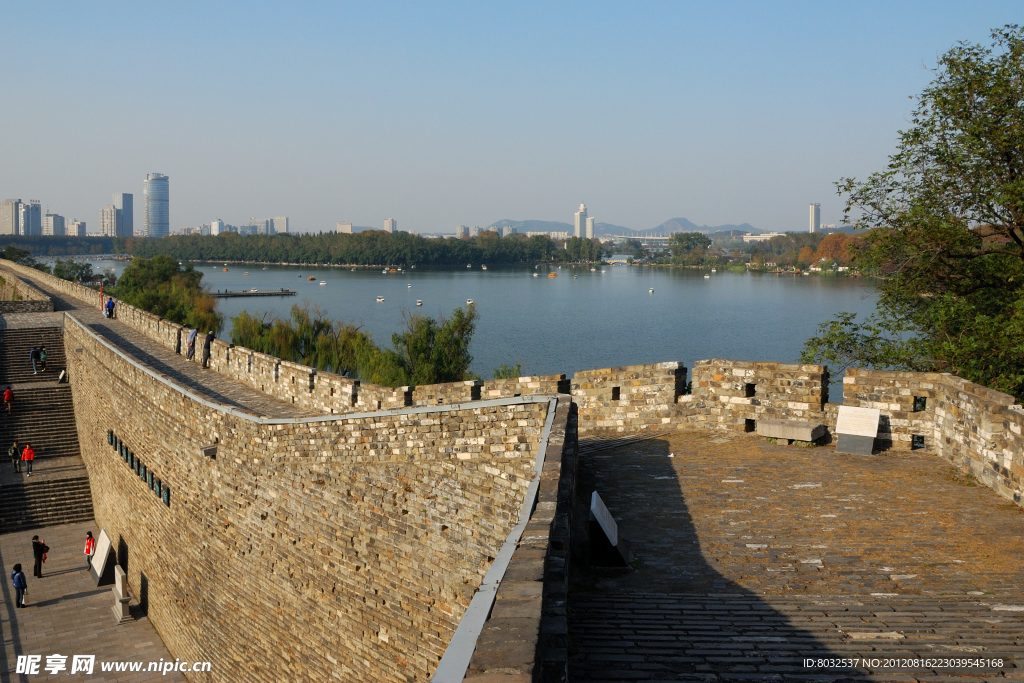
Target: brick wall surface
(305,549)
(628,399)
(18,296)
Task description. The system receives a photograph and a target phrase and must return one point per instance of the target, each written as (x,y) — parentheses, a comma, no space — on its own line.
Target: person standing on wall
(28,455)
(38,550)
(190,345)
(207,343)
(8,399)
(42,358)
(15,455)
(33,355)
(110,309)
(20,586)
(90,547)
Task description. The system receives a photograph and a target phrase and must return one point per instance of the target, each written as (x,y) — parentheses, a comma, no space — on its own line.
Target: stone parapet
(627,399)
(19,296)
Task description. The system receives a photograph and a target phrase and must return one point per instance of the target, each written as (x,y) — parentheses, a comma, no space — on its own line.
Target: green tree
(162,287)
(947,242)
(75,271)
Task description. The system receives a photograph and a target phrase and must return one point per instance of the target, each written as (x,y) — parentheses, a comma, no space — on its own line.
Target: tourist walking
(190,344)
(42,358)
(15,455)
(20,586)
(207,343)
(8,399)
(90,547)
(28,455)
(110,309)
(39,550)
(33,355)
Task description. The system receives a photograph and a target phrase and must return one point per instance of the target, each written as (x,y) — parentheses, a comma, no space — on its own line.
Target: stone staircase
(35,504)
(15,366)
(44,416)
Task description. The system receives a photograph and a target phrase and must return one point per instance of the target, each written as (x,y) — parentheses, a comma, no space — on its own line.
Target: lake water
(577,321)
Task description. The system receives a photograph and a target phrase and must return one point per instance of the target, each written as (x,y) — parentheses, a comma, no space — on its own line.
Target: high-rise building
(345,227)
(390,225)
(30,218)
(110,221)
(815,217)
(590,228)
(156,196)
(462,232)
(53,225)
(9,214)
(77,229)
(216,227)
(508,230)
(581,222)
(125,203)
(279,224)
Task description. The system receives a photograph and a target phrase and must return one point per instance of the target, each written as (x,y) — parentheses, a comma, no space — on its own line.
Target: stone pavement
(192,376)
(751,557)
(67,614)
(43,469)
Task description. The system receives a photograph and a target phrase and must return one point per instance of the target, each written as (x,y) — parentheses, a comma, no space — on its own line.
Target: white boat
(380,299)
(469,265)
(535,274)
(385,271)
(651,290)
(418,302)
(707,277)
(323,283)
(409,286)
(593,270)
(245,273)
(254,290)
(713,270)
(264,267)
(483,267)
(469,302)
(353,270)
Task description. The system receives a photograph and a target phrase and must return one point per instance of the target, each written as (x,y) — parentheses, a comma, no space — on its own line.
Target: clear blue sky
(465,113)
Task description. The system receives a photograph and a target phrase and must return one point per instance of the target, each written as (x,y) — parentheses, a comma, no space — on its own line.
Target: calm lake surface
(578,321)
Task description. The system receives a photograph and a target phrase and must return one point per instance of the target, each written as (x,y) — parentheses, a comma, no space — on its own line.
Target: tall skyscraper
(581,222)
(53,225)
(590,228)
(125,203)
(30,218)
(216,227)
(462,232)
(390,225)
(110,221)
(9,214)
(77,229)
(156,196)
(815,217)
(279,224)
(345,227)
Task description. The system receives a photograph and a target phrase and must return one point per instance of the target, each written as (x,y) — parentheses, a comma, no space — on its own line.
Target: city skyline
(724,114)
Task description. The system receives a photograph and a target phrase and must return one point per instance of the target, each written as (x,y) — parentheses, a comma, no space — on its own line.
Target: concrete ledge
(796,430)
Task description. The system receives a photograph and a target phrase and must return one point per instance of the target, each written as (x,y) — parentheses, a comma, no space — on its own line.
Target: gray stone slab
(855,445)
(797,430)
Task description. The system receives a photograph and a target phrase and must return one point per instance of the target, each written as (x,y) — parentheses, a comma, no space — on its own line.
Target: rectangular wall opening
(920,403)
(916,441)
(749,390)
(616,393)
(749,425)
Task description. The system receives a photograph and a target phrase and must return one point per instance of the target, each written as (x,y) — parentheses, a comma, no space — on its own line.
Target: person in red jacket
(90,547)
(28,455)
(8,399)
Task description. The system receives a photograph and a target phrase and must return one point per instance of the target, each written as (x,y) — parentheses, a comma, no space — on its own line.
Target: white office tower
(110,221)
(53,225)
(390,225)
(216,227)
(590,228)
(77,229)
(156,195)
(581,222)
(508,230)
(815,217)
(30,218)
(462,232)
(279,224)
(9,216)
(125,203)
(344,227)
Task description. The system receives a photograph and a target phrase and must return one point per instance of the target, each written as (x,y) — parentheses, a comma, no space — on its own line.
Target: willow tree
(946,221)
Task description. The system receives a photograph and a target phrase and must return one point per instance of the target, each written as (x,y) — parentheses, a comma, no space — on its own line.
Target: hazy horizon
(465,114)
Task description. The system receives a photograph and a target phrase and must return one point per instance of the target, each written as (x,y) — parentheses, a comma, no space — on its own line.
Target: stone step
(45,503)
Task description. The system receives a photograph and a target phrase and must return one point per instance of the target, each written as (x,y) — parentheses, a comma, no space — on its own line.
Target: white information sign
(99,557)
(599,512)
(858,421)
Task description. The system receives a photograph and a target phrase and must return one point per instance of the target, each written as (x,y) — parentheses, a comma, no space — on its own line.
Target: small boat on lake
(409,286)
(225,270)
(707,277)
(380,299)
(651,290)
(323,282)
(483,267)
(552,274)
(245,273)
(535,274)
(469,302)
(311,278)
(418,302)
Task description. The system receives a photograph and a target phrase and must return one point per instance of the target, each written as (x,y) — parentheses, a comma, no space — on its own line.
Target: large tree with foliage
(947,229)
(161,286)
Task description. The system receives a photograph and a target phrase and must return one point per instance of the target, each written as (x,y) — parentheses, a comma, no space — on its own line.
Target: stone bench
(795,430)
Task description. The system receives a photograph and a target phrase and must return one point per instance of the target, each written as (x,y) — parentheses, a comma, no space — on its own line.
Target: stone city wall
(307,549)
(18,296)
(628,399)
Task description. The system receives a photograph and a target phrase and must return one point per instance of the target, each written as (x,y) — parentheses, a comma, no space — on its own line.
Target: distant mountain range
(670,226)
